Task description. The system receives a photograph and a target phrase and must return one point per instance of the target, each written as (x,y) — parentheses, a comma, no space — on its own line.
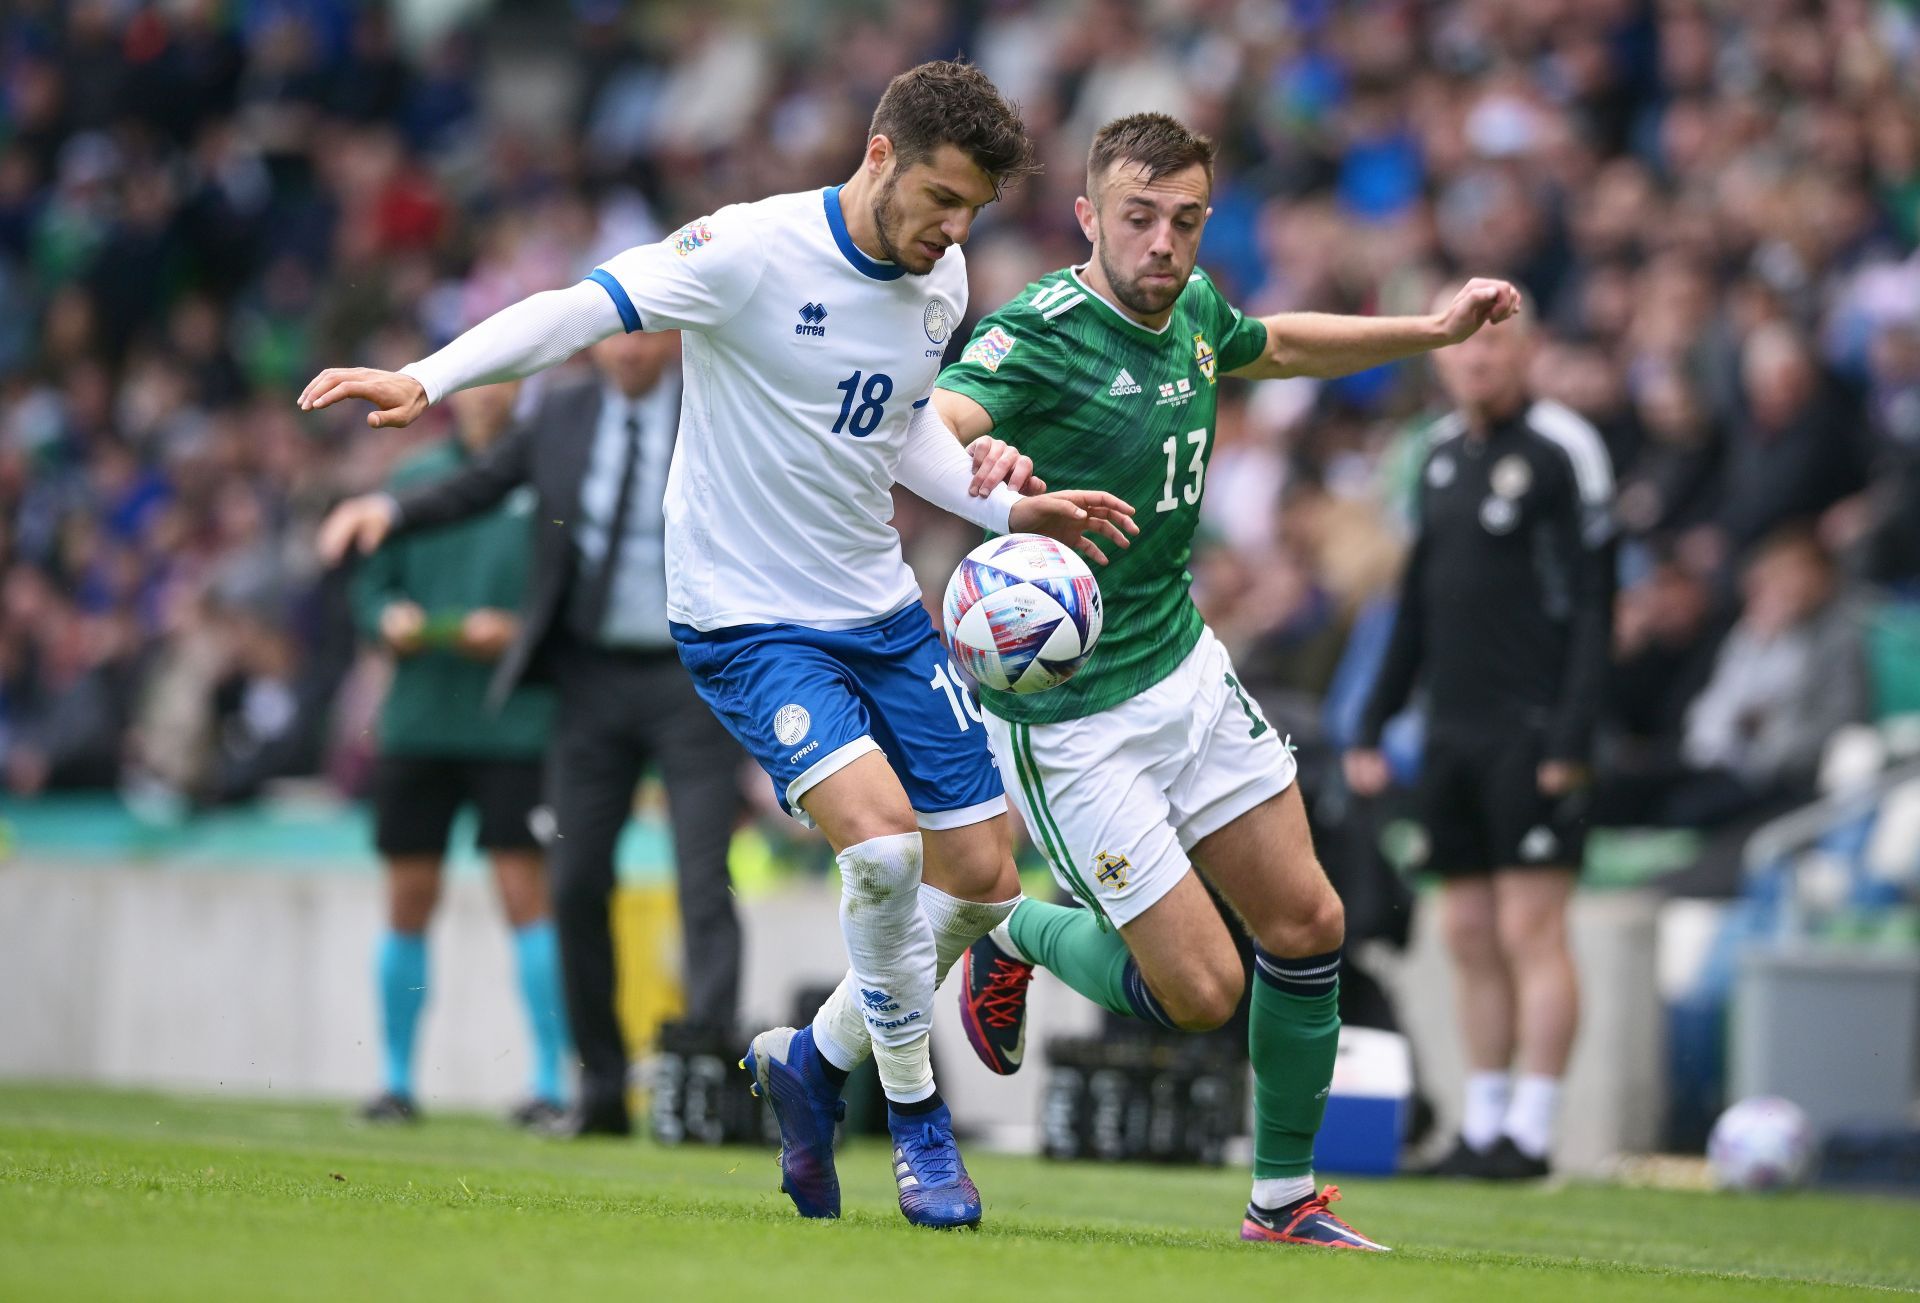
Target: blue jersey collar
(837,223)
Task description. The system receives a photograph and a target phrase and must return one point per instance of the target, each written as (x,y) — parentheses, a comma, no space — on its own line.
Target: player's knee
(1471,935)
(1206,1000)
(1320,928)
(1532,936)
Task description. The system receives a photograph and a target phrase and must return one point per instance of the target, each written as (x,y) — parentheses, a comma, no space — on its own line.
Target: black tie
(596,608)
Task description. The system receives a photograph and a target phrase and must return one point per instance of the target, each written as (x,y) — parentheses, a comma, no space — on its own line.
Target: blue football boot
(935,1189)
(1306,1222)
(788,1073)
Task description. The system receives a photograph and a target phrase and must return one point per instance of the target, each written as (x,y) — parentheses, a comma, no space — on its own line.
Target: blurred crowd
(1713,204)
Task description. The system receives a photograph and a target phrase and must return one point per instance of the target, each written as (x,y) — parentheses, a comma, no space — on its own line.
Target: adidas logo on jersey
(1123,384)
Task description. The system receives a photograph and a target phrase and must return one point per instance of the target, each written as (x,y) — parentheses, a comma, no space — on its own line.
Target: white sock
(1531,1116)
(1488,1094)
(1279,1191)
(1002,935)
(958,923)
(840,1029)
(891,953)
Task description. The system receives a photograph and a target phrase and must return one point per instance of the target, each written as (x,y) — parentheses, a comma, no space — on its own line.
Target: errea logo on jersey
(1123,384)
(811,315)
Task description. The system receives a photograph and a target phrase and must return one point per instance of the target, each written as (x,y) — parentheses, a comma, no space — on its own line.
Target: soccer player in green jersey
(1153,761)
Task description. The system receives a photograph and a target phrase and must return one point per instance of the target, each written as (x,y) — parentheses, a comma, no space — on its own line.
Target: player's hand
(1367,773)
(397,399)
(1558,777)
(1480,302)
(363,523)
(404,627)
(487,632)
(1075,516)
(995,461)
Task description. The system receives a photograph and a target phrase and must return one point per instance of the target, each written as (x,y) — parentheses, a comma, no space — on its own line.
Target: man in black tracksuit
(1504,622)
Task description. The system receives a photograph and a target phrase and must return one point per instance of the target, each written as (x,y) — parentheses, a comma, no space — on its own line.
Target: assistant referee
(1504,618)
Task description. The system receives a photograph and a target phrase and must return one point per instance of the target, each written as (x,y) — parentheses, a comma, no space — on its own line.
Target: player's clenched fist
(1480,302)
(1072,516)
(360,524)
(397,399)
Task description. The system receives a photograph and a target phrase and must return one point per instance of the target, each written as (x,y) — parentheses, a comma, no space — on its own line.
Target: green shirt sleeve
(1242,339)
(1005,367)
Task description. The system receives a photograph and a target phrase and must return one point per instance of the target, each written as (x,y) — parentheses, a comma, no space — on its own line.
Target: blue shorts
(809,702)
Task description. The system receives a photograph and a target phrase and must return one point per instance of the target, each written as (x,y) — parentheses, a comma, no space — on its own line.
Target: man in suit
(595,623)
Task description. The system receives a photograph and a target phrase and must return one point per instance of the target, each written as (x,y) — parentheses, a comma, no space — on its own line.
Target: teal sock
(1292,1037)
(401,963)
(537,948)
(1076,946)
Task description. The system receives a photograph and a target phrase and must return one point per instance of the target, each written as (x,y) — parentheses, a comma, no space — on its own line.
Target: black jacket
(1506,606)
(551,452)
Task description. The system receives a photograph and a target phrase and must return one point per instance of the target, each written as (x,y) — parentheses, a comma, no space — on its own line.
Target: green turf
(123,1195)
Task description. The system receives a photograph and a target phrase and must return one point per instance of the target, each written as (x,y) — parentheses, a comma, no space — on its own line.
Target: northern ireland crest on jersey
(936,321)
(1203,355)
(1110,870)
(692,236)
(991,349)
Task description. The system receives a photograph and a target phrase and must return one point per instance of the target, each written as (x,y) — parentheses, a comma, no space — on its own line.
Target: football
(1761,1143)
(1022,614)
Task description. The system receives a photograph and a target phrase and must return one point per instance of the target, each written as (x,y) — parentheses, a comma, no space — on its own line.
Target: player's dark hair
(948,102)
(1154,142)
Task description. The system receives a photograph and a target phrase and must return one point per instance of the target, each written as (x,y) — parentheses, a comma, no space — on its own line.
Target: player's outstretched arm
(516,341)
(1325,345)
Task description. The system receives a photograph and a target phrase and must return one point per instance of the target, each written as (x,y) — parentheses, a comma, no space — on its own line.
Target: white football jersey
(804,360)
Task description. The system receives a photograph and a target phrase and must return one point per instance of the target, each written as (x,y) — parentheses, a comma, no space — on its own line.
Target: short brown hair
(1153,141)
(951,102)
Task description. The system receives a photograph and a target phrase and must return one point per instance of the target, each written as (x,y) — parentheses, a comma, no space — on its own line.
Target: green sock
(1078,947)
(1293,1034)
(1072,945)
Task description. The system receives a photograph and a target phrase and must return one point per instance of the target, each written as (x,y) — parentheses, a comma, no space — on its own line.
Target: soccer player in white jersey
(813,328)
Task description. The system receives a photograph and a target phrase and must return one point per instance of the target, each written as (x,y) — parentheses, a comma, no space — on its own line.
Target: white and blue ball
(1022,614)
(1761,1143)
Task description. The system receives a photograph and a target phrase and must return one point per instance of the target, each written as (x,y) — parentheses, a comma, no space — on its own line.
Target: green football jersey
(1101,402)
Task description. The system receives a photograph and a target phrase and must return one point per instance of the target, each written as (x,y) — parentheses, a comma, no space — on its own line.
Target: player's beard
(887,220)
(1132,295)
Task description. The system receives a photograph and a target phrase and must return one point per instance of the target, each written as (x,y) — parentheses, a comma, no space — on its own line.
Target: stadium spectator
(1790,673)
(595,622)
(1503,618)
(443,604)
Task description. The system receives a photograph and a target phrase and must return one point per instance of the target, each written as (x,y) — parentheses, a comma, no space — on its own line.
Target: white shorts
(1115,800)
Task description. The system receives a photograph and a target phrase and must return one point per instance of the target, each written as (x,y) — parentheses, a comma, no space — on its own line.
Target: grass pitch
(133,1195)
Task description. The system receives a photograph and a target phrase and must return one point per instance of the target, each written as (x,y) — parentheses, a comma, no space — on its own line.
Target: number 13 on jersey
(1196,471)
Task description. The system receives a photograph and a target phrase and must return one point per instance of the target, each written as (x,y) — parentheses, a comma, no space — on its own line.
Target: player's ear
(879,154)
(1089,218)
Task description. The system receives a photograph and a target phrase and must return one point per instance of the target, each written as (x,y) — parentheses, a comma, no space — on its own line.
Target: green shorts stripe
(1043,815)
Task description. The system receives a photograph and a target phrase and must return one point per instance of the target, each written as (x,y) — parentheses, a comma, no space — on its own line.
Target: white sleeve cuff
(935,467)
